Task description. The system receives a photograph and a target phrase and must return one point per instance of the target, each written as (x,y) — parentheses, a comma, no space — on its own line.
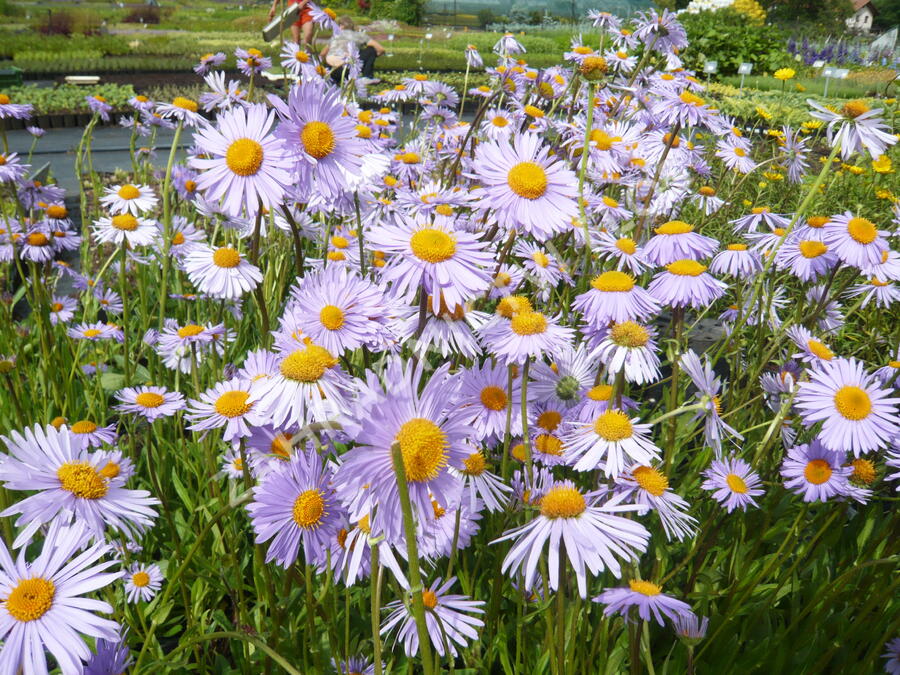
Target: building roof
(859,4)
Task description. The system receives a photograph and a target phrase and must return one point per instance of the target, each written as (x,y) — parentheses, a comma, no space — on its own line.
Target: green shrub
(728,37)
(69,98)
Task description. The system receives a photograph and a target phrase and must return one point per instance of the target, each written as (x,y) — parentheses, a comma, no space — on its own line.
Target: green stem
(231,635)
(167,226)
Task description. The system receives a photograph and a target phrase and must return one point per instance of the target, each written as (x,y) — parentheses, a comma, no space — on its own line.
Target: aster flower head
(429,433)
(484,396)
(128,198)
(614,296)
(481,484)
(226,404)
(571,371)
(527,190)
(208,61)
(709,387)
(71,486)
(736,260)
(733,483)
(245,164)
(110,657)
(296,506)
(857,414)
(630,347)
(815,472)
(149,402)
(648,487)
(647,598)
(44,604)
(607,441)
(686,283)
(447,617)
(854,127)
(251,61)
(595,538)
(142,582)
(221,272)
(99,106)
(892,654)
(854,240)
(526,334)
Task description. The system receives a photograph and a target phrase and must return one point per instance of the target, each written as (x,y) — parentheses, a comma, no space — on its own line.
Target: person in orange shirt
(302,27)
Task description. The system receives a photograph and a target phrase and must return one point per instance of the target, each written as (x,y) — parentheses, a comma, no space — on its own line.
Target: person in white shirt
(337,53)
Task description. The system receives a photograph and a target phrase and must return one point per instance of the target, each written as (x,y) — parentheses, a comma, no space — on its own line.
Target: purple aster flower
(704,378)
(92,435)
(149,402)
(430,434)
(735,156)
(649,600)
(225,404)
(452,265)
(690,627)
(856,413)
(62,309)
(630,347)
(446,615)
(37,132)
(110,657)
(815,472)
(208,61)
(328,150)
(473,58)
(813,350)
(613,296)
(607,441)
(736,261)
(594,537)
(125,227)
(858,127)
(142,582)
(676,240)
(647,487)
(527,190)
(525,335)
(296,505)
(71,486)
(44,604)
(356,665)
(507,44)
(793,154)
(624,250)
(481,484)
(340,310)
(572,371)
(807,259)
(246,165)
(128,198)
(855,240)
(98,105)
(16,111)
(484,397)
(221,272)
(686,283)
(892,654)
(733,483)
(251,61)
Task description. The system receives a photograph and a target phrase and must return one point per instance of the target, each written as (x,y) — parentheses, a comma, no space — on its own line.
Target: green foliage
(69,97)
(727,37)
(827,15)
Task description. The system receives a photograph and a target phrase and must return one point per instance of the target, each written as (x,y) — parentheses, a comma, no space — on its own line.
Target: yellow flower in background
(882,165)
(784,74)
(762,112)
(886,194)
(799,87)
(773,175)
(751,9)
(812,125)
(855,170)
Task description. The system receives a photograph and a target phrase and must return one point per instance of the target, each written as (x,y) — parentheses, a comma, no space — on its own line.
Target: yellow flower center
(528,180)
(111,470)
(190,330)
(513,304)
(593,66)
(129,191)
(307,364)
(820,350)
(627,245)
(362,131)
(862,231)
(444,210)
(540,258)
(647,588)
(185,103)
(233,404)
(149,399)
(674,227)
(549,445)
(853,403)
(4,99)
(613,282)
(56,306)
(363,525)
(332,317)
(57,212)
(602,392)
(863,471)
(423,445)
(613,425)
(318,139)
(309,509)
(30,599)
(737,247)
(610,202)
(686,268)
(707,191)
(125,222)
(226,257)
(432,245)
(602,140)
(650,480)
(810,248)
(84,427)
(563,501)
(493,398)
(82,480)
(499,121)
(629,334)
(92,332)
(336,256)
(528,323)
(475,464)
(740,152)
(280,446)
(736,483)
(140,579)
(37,239)
(691,99)
(244,157)
(854,109)
(410,158)
(533,111)
(549,420)
(817,471)
(429,599)
(178,239)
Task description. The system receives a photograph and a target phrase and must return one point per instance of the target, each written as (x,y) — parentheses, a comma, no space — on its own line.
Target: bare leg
(307,34)
(295,33)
